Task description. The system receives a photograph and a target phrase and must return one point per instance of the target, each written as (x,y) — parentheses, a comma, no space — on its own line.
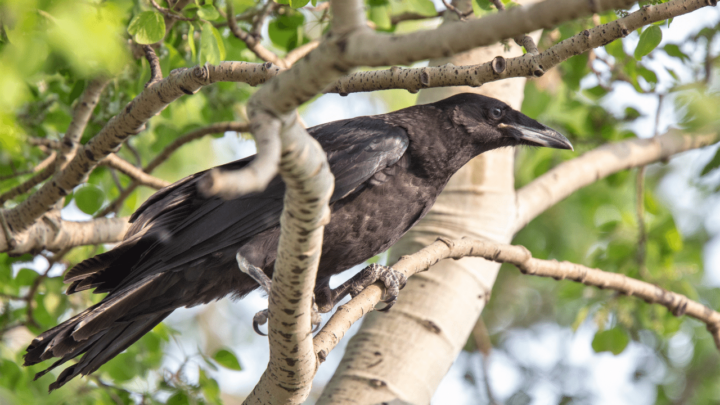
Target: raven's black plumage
(180,250)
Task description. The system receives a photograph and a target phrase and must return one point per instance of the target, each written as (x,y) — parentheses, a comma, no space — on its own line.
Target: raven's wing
(176,225)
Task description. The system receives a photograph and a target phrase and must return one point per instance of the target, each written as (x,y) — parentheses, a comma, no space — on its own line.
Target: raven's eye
(496,113)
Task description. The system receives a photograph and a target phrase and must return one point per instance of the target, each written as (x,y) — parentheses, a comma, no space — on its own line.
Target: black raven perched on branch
(180,250)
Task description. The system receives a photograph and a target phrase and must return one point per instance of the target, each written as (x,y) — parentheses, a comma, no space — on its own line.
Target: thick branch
(306,173)
(449,39)
(530,64)
(552,187)
(53,233)
(348,314)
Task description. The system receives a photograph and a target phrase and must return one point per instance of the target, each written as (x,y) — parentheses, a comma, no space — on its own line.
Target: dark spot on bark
(431,326)
(625,32)
(377,383)
(186,91)
(425,79)
(289,311)
(290,362)
(498,64)
(89,154)
(342,45)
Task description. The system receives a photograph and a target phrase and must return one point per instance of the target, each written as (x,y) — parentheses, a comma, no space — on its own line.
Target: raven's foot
(261,317)
(394,281)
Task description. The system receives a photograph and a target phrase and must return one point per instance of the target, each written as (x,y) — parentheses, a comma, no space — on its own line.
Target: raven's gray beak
(543,137)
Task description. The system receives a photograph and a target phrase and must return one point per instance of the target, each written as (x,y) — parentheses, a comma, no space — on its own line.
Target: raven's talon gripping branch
(394,281)
(260,318)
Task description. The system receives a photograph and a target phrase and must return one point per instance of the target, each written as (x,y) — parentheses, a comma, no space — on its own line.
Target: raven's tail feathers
(100,332)
(98,349)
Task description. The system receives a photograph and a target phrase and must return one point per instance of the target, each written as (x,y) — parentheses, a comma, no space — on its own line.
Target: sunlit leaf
(649,40)
(212,49)
(227,359)
(613,340)
(208,12)
(89,199)
(147,27)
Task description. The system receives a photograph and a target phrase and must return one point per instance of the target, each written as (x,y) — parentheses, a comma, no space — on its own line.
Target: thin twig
(217,128)
(46,169)
(252,39)
(138,175)
(154,61)
(170,14)
(455,10)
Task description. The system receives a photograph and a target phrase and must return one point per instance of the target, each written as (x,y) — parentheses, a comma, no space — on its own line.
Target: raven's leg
(266,284)
(394,281)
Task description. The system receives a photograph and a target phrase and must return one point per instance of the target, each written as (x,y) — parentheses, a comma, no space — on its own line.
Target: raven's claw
(394,281)
(260,318)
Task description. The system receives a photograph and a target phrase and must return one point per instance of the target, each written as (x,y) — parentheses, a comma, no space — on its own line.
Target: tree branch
(54,233)
(43,171)
(216,128)
(449,39)
(558,183)
(81,115)
(138,175)
(251,40)
(129,122)
(528,65)
(348,314)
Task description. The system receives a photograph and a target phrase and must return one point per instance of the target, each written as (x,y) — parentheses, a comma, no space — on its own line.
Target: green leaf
(89,199)
(242,5)
(210,387)
(649,40)
(179,398)
(25,277)
(674,51)
(613,340)
(482,7)
(191,41)
(227,359)
(712,164)
(208,12)
(212,49)
(380,15)
(147,27)
(298,3)
(77,89)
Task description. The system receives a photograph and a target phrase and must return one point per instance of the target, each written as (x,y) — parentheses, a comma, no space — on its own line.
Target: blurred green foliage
(51,49)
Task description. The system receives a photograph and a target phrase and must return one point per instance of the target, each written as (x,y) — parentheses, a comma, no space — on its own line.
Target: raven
(180,250)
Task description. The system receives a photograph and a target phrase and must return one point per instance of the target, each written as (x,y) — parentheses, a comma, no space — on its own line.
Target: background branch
(563,180)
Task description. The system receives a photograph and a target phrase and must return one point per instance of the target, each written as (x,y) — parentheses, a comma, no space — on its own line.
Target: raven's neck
(438,147)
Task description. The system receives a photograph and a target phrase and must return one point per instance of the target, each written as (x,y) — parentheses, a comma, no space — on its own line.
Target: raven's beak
(544,137)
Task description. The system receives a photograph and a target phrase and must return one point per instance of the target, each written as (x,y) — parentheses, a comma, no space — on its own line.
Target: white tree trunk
(405,353)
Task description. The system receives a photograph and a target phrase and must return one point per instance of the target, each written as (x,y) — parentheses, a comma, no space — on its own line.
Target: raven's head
(495,124)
